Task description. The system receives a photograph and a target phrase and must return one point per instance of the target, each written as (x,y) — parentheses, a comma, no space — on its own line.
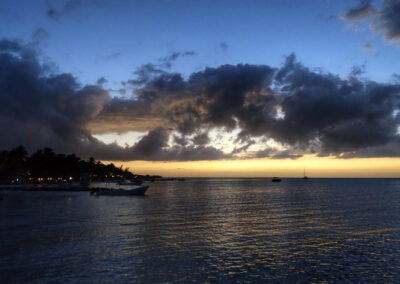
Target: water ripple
(206,230)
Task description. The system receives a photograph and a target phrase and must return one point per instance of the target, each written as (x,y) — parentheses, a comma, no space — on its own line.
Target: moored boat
(131,182)
(120,191)
(276,179)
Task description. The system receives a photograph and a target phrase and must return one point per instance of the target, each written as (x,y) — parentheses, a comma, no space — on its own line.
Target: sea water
(206,230)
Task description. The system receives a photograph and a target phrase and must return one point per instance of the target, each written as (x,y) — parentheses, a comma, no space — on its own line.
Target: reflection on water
(206,230)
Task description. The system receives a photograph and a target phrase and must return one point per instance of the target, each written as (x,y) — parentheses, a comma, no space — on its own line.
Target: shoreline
(43,188)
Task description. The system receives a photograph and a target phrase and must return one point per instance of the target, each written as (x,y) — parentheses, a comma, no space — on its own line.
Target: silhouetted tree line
(44,164)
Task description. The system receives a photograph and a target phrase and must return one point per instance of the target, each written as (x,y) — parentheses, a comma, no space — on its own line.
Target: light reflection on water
(206,230)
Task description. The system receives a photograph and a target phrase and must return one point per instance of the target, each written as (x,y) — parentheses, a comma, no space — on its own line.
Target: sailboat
(304,175)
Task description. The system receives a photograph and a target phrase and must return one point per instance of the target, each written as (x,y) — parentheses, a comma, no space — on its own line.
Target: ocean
(206,231)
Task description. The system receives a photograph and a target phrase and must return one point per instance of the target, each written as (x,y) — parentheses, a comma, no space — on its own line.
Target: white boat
(130,182)
(141,190)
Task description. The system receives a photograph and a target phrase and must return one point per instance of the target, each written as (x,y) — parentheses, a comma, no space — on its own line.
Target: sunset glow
(315,167)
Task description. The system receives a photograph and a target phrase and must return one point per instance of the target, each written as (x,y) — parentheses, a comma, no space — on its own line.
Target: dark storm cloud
(363,11)
(122,115)
(341,115)
(240,149)
(277,155)
(385,20)
(201,139)
(11,45)
(388,20)
(153,143)
(321,113)
(211,97)
(388,150)
(303,110)
(40,109)
(363,113)
(154,146)
(47,107)
(180,140)
(15,47)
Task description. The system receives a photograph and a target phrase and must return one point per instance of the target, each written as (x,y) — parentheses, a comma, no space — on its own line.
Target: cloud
(224,46)
(385,20)
(370,48)
(320,112)
(111,56)
(244,148)
(302,110)
(201,139)
(335,115)
(144,73)
(101,81)
(68,7)
(364,11)
(276,154)
(396,77)
(39,109)
(56,10)
(388,20)
(40,35)
(154,146)
(167,61)
(357,70)
(11,45)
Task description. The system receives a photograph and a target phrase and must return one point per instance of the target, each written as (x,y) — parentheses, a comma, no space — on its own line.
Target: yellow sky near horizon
(315,167)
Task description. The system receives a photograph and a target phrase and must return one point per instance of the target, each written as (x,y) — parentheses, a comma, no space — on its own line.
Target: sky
(206,88)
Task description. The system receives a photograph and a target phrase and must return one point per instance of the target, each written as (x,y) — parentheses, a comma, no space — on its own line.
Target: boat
(276,179)
(141,190)
(131,182)
(304,175)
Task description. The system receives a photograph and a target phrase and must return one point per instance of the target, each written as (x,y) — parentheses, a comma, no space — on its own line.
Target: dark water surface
(206,230)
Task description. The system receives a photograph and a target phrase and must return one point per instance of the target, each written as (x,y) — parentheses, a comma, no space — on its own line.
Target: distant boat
(120,192)
(304,175)
(276,179)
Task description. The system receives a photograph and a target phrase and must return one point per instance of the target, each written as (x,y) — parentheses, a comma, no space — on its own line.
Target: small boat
(276,179)
(119,191)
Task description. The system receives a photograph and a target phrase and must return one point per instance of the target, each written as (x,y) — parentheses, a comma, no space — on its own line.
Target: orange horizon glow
(317,167)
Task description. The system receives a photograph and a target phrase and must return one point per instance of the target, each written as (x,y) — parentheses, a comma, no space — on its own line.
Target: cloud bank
(301,110)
